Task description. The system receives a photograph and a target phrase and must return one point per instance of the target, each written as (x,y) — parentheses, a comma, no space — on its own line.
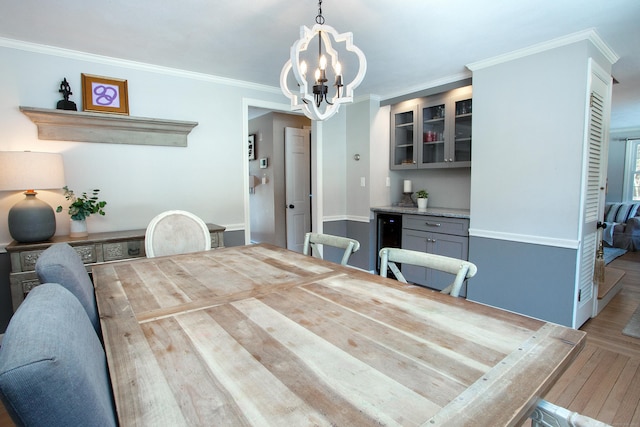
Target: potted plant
(81,208)
(422,196)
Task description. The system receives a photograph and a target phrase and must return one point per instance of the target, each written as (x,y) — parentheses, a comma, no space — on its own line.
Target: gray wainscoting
(354,230)
(534,280)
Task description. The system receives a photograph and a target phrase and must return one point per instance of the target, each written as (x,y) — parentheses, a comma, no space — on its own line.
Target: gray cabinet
(404,136)
(432,132)
(436,235)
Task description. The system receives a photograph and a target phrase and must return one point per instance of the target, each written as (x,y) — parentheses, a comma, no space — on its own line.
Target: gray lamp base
(31,220)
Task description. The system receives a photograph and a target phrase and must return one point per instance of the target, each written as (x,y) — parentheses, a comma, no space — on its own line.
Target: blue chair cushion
(60,263)
(53,369)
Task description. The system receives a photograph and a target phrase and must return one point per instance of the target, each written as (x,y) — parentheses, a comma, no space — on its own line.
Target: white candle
(407,186)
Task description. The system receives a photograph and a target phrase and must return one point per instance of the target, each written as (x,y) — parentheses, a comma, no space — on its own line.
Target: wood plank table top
(258,335)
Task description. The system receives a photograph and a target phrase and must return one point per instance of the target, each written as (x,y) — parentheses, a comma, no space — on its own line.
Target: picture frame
(252,146)
(104,94)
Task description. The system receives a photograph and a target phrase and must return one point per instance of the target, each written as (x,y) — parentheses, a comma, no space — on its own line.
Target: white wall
(333,163)
(380,194)
(207,177)
(527,144)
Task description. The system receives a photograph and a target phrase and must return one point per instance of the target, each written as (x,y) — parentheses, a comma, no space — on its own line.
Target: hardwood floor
(604,381)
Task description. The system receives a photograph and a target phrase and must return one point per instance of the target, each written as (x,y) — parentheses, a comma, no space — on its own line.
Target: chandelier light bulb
(323,62)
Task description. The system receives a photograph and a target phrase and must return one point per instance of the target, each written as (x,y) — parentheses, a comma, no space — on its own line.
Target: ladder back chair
(461,269)
(312,240)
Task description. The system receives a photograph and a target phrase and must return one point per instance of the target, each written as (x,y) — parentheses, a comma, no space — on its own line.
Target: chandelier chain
(320,18)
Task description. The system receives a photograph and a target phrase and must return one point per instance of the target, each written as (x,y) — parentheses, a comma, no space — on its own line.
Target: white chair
(176,232)
(311,240)
(462,269)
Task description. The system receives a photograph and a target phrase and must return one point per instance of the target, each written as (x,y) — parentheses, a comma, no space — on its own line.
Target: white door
(594,179)
(298,181)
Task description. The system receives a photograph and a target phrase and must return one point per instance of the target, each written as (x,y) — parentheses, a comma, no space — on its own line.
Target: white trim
(117,62)
(234,227)
(589,34)
(622,134)
(246,103)
(524,238)
(428,85)
(629,168)
(336,218)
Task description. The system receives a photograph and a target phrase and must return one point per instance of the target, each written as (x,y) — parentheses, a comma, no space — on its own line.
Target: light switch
(388,182)
(362,181)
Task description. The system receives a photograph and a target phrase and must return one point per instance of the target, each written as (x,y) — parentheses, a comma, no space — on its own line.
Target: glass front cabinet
(404,135)
(432,132)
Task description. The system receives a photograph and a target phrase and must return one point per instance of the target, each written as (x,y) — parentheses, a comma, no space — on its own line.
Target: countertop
(445,212)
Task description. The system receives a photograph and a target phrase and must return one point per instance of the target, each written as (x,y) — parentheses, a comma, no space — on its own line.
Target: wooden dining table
(259,335)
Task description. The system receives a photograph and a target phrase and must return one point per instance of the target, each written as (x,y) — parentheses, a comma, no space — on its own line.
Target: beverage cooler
(389,234)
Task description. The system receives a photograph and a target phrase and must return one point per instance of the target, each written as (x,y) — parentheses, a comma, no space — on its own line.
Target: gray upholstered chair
(60,263)
(311,240)
(53,369)
(176,232)
(461,269)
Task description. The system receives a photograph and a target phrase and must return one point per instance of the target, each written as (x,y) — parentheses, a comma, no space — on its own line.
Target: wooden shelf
(63,125)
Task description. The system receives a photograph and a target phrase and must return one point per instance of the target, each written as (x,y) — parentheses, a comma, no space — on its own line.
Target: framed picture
(104,94)
(252,147)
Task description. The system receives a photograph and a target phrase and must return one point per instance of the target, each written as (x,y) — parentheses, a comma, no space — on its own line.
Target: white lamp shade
(27,170)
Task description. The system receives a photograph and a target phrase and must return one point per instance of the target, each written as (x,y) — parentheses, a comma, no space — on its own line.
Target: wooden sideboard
(94,249)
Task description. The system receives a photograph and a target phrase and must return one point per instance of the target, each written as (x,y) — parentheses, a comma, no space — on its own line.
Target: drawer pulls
(133,252)
(433,224)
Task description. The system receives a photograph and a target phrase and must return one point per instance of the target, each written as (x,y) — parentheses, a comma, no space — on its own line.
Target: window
(632,171)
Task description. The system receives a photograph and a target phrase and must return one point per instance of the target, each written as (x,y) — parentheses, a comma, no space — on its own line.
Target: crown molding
(124,63)
(590,35)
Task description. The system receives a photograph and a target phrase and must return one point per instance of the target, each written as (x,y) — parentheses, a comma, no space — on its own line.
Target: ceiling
(410,45)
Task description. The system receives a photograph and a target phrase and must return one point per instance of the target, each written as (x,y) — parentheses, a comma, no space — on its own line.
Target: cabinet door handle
(134,252)
(433,224)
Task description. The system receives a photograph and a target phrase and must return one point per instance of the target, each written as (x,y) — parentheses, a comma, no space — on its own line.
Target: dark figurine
(65,104)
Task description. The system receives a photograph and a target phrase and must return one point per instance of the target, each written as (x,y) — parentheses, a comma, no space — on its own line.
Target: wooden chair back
(311,240)
(460,268)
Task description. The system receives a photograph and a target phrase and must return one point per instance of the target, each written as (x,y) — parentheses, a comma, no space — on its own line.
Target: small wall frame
(252,146)
(104,94)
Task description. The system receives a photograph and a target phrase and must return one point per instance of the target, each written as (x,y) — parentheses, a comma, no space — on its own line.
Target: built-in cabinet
(436,235)
(432,132)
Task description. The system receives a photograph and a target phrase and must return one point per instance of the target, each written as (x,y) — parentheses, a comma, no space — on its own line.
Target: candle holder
(407,201)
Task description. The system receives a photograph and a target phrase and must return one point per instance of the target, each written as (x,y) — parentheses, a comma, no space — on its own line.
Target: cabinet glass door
(462,131)
(403,144)
(433,134)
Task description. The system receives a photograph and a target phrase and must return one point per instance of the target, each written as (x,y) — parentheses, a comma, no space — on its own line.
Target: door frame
(316,163)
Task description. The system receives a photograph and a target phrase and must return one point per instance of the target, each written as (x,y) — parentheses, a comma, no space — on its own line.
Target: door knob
(291,206)
(601,224)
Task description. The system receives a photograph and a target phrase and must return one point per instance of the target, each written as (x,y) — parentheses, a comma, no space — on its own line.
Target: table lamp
(31,219)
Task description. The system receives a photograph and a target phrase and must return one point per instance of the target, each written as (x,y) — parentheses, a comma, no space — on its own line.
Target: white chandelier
(315,104)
